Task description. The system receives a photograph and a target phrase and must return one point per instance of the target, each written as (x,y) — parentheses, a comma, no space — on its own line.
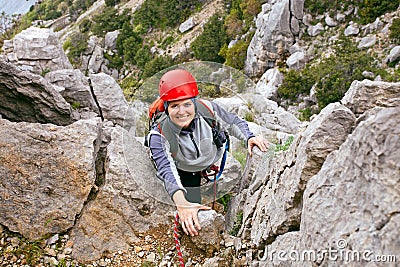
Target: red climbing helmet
(176,85)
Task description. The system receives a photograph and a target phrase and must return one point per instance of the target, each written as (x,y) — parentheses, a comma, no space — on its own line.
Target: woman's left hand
(258,141)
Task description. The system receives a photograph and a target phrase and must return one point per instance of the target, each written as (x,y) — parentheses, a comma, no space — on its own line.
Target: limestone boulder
(355,198)
(111,99)
(47,173)
(130,199)
(28,97)
(74,87)
(37,50)
(364,95)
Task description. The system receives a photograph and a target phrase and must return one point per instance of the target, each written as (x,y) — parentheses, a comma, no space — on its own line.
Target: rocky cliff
(76,182)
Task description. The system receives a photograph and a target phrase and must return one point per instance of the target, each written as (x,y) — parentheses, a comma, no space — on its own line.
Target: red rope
(177,243)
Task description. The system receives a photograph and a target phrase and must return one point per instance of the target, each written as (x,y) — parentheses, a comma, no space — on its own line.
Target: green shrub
(157,64)
(164,13)
(143,56)
(108,21)
(112,2)
(369,10)
(237,224)
(208,44)
(285,146)
(128,43)
(76,45)
(114,61)
(235,56)
(129,85)
(296,83)
(331,76)
(395,31)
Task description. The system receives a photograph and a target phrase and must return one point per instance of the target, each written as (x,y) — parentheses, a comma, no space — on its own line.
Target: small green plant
(249,116)
(237,224)
(147,264)
(395,31)
(44,71)
(31,251)
(285,146)
(75,105)
(224,200)
(305,114)
(241,156)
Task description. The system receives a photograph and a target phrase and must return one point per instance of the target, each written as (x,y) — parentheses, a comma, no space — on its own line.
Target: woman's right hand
(188,213)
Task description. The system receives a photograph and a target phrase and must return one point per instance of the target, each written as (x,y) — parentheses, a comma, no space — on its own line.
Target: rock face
(337,187)
(210,236)
(74,87)
(112,102)
(276,26)
(37,50)
(356,197)
(122,206)
(47,174)
(28,97)
(367,94)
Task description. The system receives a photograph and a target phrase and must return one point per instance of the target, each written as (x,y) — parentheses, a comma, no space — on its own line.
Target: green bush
(164,13)
(143,56)
(331,76)
(157,64)
(235,56)
(75,46)
(395,31)
(114,61)
(112,2)
(296,83)
(128,43)
(208,44)
(109,21)
(369,10)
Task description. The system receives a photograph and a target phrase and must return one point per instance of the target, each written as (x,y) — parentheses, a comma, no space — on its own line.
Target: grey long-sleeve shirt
(196,149)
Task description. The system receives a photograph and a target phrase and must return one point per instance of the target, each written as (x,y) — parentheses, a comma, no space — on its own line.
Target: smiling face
(181,112)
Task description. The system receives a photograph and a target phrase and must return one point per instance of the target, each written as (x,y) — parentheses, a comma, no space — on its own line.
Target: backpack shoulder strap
(204,108)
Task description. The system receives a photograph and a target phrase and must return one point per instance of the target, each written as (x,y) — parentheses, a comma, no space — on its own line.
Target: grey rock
(314,30)
(210,235)
(366,42)
(75,88)
(37,49)
(355,199)
(273,35)
(47,174)
(269,83)
(330,21)
(28,97)
(110,40)
(130,200)
(367,94)
(187,25)
(351,30)
(296,61)
(394,54)
(112,102)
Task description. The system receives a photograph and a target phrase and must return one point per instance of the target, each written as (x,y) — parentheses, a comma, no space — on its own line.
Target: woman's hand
(258,141)
(188,213)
